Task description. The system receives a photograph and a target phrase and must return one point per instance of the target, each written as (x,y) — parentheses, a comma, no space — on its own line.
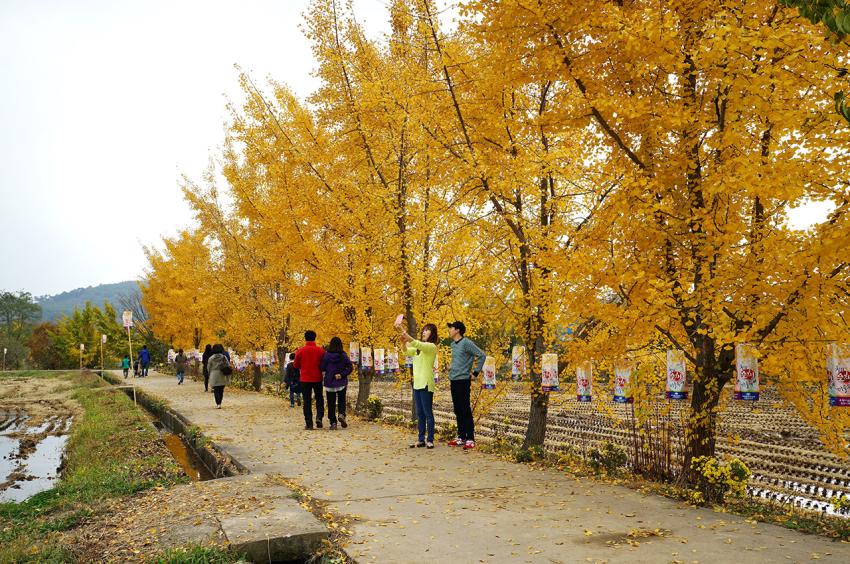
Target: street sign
(103,339)
(82,347)
(128,318)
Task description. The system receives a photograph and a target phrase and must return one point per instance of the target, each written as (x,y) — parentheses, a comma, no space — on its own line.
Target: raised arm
(423,346)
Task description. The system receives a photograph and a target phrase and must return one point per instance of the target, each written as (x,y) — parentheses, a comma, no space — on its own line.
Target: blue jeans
(144,369)
(294,395)
(424,412)
(180,376)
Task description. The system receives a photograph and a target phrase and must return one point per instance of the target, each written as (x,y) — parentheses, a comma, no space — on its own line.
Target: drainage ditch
(201,458)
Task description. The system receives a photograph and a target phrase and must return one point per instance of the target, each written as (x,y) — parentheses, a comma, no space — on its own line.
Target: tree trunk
(535,433)
(702,420)
(364,387)
(257,380)
(714,369)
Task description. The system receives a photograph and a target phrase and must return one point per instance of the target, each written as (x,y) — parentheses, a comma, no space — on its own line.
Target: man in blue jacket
(464,353)
(144,360)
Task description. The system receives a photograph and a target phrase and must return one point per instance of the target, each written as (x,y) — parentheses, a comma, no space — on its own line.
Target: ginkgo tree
(718,116)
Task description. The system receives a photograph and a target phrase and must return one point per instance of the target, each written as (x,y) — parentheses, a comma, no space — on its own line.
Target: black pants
(463,411)
(336,403)
(206,381)
(309,389)
(218,392)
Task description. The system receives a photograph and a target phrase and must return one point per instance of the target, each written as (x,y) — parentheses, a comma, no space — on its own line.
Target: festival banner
(549,375)
(366,357)
(354,352)
(171,355)
(379,361)
(489,381)
(838,369)
(437,368)
(584,381)
(677,379)
(517,363)
(392,362)
(623,383)
(408,362)
(746,372)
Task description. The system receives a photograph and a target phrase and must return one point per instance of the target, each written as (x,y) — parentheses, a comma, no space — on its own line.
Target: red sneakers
(456,442)
(469,445)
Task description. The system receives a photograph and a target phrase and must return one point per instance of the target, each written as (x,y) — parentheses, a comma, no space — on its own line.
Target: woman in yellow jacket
(424,355)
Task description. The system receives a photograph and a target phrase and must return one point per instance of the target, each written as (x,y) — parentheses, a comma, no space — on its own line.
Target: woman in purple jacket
(336,367)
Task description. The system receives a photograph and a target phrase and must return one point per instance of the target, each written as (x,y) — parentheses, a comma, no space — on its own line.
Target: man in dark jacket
(292,379)
(144,360)
(307,360)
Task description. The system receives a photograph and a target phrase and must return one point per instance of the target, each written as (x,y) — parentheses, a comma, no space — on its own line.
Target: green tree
(18,313)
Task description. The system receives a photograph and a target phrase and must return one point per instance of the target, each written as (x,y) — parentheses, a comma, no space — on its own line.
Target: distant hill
(54,307)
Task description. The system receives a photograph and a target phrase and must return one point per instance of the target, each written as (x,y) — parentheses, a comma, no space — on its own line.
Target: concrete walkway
(446,505)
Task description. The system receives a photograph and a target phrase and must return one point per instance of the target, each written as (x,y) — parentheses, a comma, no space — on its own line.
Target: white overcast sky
(105,103)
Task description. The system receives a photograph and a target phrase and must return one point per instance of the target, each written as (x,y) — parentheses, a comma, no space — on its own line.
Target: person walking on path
(336,366)
(464,352)
(307,360)
(125,366)
(204,358)
(424,355)
(144,360)
(180,362)
(292,380)
(220,371)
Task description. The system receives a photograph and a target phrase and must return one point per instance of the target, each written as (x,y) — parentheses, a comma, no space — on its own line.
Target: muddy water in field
(31,452)
(35,420)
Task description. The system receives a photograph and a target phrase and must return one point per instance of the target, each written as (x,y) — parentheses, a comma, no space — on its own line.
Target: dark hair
(208,348)
(335,345)
(179,351)
(144,346)
(433,337)
(217,349)
(309,335)
(291,356)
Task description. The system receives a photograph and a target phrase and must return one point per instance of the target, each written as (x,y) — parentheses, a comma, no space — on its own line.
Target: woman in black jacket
(204,358)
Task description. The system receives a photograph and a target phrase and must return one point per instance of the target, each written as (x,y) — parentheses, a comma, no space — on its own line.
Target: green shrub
(717,477)
(374,408)
(395,419)
(196,554)
(609,458)
(446,431)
